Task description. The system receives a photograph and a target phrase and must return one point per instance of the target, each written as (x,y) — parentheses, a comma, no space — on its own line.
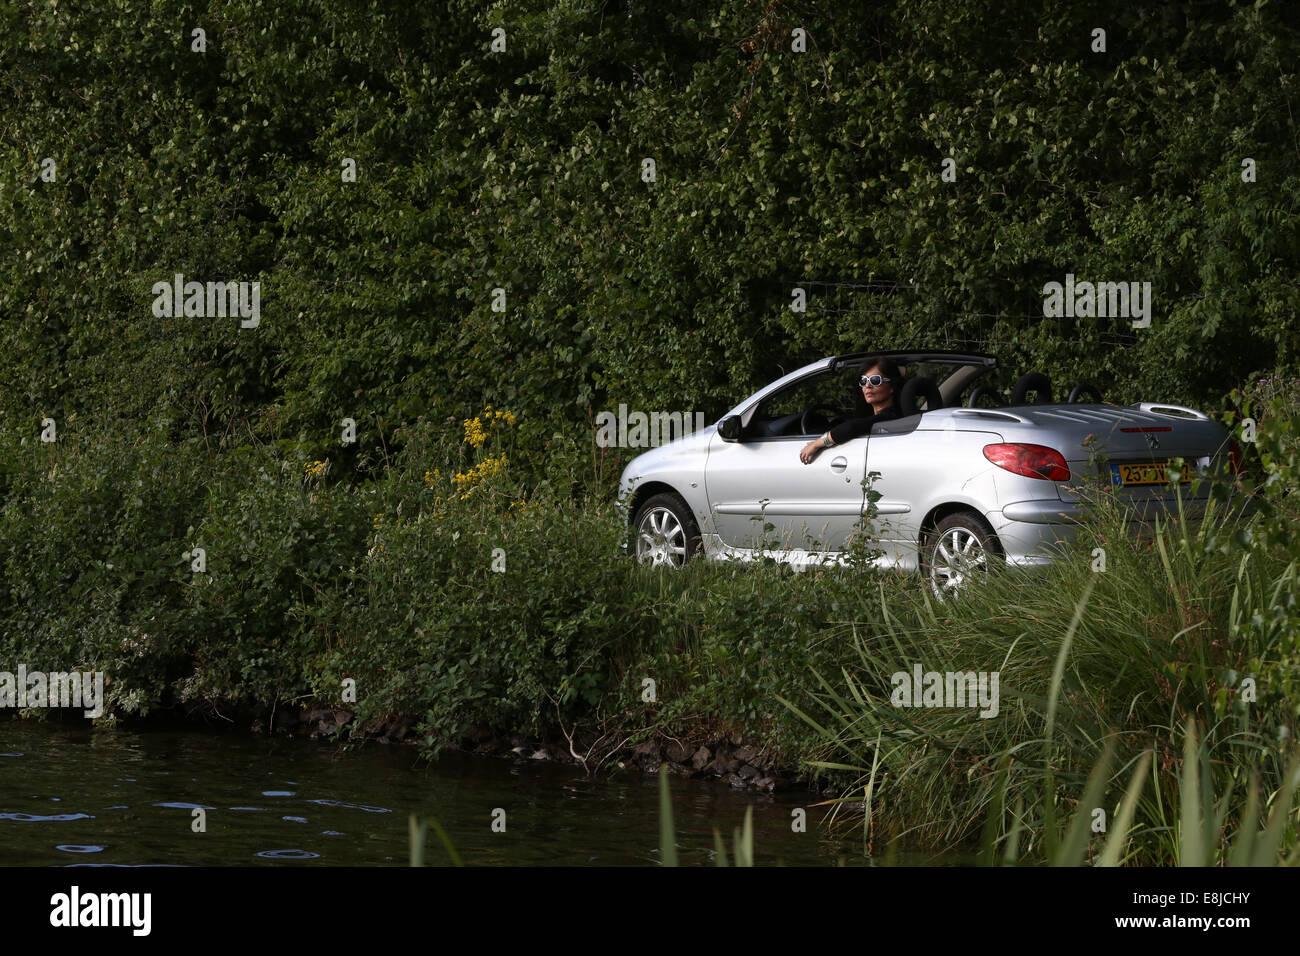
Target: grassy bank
(451,591)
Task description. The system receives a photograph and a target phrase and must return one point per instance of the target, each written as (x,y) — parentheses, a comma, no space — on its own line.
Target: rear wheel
(960,547)
(666,533)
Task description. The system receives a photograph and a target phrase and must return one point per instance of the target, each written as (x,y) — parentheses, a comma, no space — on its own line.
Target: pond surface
(73,794)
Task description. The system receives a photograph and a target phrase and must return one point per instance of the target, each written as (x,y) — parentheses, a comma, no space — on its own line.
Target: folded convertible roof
(945,358)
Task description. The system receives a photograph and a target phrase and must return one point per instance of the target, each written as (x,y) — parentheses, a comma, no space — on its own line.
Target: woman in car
(880,380)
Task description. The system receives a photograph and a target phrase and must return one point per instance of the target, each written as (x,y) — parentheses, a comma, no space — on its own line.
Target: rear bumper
(1035,532)
(1046,511)
(1034,536)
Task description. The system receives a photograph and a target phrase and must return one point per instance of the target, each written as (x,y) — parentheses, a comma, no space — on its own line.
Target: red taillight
(1235,460)
(1032,461)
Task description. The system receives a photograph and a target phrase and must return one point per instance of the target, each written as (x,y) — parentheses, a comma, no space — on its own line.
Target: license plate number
(1147,473)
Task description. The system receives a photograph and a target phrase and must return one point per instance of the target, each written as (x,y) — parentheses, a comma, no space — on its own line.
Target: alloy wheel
(954,556)
(661,538)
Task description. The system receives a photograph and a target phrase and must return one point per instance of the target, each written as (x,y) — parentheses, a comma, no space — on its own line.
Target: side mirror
(729,428)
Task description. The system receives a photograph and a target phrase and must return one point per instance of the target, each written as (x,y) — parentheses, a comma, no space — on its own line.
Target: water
(72,794)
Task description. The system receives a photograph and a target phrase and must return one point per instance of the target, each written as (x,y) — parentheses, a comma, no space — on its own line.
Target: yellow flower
(474,432)
(316,468)
(379,517)
(465,482)
(478,428)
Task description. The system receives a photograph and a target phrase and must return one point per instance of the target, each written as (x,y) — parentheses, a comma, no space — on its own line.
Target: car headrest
(916,388)
(1036,382)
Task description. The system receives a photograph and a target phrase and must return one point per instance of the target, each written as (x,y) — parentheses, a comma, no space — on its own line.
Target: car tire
(959,545)
(664,532)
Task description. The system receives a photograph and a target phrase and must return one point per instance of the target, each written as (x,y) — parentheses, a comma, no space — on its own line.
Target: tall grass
(742,853)
(1093,663)
(418,836)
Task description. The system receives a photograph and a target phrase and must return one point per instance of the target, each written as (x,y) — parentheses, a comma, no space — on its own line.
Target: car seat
(918,388)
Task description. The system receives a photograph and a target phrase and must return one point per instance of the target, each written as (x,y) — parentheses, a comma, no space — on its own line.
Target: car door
(900,457)
(760,480)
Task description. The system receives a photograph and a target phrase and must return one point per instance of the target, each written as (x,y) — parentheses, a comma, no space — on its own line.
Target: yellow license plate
(1147,473)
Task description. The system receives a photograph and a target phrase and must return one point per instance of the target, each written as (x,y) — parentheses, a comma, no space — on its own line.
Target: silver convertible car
(961,484)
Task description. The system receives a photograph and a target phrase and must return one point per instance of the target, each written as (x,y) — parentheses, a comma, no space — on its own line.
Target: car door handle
(839,464)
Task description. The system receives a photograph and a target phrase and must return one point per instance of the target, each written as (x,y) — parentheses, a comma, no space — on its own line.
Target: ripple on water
(278,793)
(185,806)
(79,848)
(289,855)
(351,806)
(125,866)
(44,817)
(295,819)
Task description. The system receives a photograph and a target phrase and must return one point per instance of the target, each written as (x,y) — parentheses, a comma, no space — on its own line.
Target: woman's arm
(845,431)
(852,428)
(814,448)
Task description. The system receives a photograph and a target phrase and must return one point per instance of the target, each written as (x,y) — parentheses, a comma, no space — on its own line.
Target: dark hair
(889,368)
(886,365)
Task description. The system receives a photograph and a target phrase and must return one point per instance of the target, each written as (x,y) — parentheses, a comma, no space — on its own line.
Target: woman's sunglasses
(877,380)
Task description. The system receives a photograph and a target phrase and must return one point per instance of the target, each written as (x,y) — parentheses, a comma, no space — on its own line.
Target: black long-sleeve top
(856,427)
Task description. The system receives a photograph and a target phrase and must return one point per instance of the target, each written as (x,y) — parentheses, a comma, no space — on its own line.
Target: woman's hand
(811,450)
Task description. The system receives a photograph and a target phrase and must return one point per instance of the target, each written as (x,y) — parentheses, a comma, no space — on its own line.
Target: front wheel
(666,533)
(960,547)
